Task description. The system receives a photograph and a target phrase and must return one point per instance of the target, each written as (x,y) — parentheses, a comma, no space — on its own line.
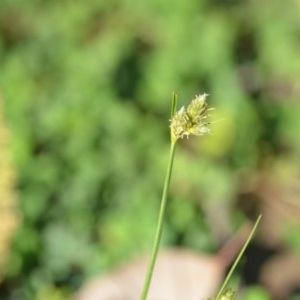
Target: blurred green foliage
(87,88)
(256,293)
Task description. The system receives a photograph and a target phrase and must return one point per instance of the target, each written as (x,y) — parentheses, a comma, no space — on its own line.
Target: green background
(87,90)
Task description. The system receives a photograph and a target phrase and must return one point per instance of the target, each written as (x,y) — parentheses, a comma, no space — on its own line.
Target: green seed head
(228,295)
(191,120)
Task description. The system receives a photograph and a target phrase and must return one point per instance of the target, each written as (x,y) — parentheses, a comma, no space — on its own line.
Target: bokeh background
(86,89)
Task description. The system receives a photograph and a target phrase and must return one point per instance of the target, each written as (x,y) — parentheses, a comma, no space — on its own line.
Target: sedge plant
(190,120)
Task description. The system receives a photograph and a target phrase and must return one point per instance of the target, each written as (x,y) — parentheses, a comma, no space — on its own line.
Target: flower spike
(191,120)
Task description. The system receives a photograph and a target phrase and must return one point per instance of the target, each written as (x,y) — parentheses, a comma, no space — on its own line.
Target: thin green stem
(173,104)
(160,223)
(237,260)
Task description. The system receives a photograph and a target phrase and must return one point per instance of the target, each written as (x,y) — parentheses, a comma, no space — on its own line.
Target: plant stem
(238,258)
(160,223)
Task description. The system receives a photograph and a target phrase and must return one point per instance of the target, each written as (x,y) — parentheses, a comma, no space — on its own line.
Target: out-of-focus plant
(9,213)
